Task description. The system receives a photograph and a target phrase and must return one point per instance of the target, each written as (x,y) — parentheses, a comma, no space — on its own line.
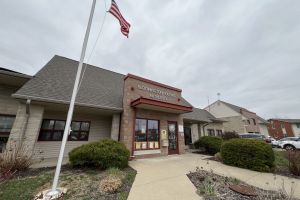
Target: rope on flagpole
(94,46)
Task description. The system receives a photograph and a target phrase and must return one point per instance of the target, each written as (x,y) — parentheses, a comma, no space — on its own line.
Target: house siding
(296,130)
(235,123)
(220,110)
(8,105)
(100,128)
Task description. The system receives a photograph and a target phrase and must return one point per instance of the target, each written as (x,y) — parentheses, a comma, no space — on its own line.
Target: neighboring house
(280,128)
(200,123)
(143,114)
(263,126)
(237,119)
(10,82)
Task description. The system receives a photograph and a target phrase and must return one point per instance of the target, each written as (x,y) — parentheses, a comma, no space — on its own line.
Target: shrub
(211,144)
(103,154)
(294,162)
(248,153)
(230,135)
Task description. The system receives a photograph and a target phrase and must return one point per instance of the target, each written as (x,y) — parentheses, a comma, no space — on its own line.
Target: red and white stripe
(114,10)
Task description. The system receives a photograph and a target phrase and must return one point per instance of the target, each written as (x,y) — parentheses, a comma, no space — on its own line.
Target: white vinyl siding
(99,129)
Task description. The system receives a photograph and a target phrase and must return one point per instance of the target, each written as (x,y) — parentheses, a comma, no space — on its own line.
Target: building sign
(157,93)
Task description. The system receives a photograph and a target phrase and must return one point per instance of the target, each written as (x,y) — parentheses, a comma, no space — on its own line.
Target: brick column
(27,126)
(115,127)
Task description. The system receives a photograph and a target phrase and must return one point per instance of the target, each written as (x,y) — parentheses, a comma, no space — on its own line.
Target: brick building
(280,128)
(147,116)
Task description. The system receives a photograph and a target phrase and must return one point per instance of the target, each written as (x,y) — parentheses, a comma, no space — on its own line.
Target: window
(298,125)
(146,134)
(248,121)
(219,132)
(80,131)
(254,122)
(282,125)
(211,132)
(53,130)
(6,123)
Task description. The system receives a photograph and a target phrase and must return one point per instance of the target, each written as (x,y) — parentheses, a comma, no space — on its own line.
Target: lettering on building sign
(157,93)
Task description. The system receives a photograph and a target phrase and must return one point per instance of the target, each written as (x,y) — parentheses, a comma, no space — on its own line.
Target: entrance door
(173,138)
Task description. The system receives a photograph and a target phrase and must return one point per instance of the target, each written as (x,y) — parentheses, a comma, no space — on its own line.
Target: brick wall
(277,129)
(133,92)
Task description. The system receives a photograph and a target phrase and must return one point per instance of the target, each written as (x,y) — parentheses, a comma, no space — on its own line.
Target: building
(10,82)
(280,128)
(147,116)
(200,123)
(237,119)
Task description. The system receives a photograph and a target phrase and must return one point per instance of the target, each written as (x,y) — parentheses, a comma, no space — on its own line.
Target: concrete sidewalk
(165,177)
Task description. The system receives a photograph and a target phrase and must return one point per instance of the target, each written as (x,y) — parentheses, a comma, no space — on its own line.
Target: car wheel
(289,148)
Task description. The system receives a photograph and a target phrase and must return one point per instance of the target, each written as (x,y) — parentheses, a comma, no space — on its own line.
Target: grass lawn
(81,184)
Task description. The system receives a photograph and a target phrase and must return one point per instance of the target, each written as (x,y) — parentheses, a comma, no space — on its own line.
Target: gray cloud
(246,50)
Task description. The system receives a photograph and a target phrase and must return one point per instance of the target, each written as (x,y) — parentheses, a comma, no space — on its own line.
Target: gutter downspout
(204,127)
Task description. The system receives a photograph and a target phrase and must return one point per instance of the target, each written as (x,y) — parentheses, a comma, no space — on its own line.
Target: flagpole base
(51,194)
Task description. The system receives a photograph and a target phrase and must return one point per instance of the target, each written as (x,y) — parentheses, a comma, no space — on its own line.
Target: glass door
(173,137)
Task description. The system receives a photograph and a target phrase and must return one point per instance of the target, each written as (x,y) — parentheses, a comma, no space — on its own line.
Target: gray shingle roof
(54,83)
(14,73)
(200,115)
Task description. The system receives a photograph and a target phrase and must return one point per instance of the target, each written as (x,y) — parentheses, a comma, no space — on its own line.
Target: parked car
(289,143)
(272,141)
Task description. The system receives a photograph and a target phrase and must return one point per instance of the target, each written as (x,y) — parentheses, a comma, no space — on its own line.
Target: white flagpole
(54,191)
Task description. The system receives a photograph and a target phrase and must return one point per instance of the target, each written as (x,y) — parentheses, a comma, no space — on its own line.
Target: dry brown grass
(110,184)
(16,158)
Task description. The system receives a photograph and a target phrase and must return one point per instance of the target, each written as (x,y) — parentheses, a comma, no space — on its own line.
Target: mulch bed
(215,187)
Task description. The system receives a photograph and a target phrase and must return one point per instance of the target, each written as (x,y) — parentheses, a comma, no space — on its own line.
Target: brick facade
(280,129)
(133,89)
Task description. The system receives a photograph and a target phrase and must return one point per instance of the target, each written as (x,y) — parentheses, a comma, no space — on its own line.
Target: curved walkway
(165,177)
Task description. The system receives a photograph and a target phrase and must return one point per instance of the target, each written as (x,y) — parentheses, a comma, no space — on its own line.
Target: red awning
(152,104)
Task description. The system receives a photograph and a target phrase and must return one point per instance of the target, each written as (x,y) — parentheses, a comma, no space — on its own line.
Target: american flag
(114,10)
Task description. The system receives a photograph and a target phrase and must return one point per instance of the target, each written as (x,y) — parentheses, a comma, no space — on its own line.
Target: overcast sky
(248,50)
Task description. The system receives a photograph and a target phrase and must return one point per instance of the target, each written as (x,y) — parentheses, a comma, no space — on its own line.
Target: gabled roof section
(100,88)
(200,115)
(239,109)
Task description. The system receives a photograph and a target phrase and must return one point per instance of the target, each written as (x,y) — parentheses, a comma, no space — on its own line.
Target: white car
(272,141)
(289,143)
